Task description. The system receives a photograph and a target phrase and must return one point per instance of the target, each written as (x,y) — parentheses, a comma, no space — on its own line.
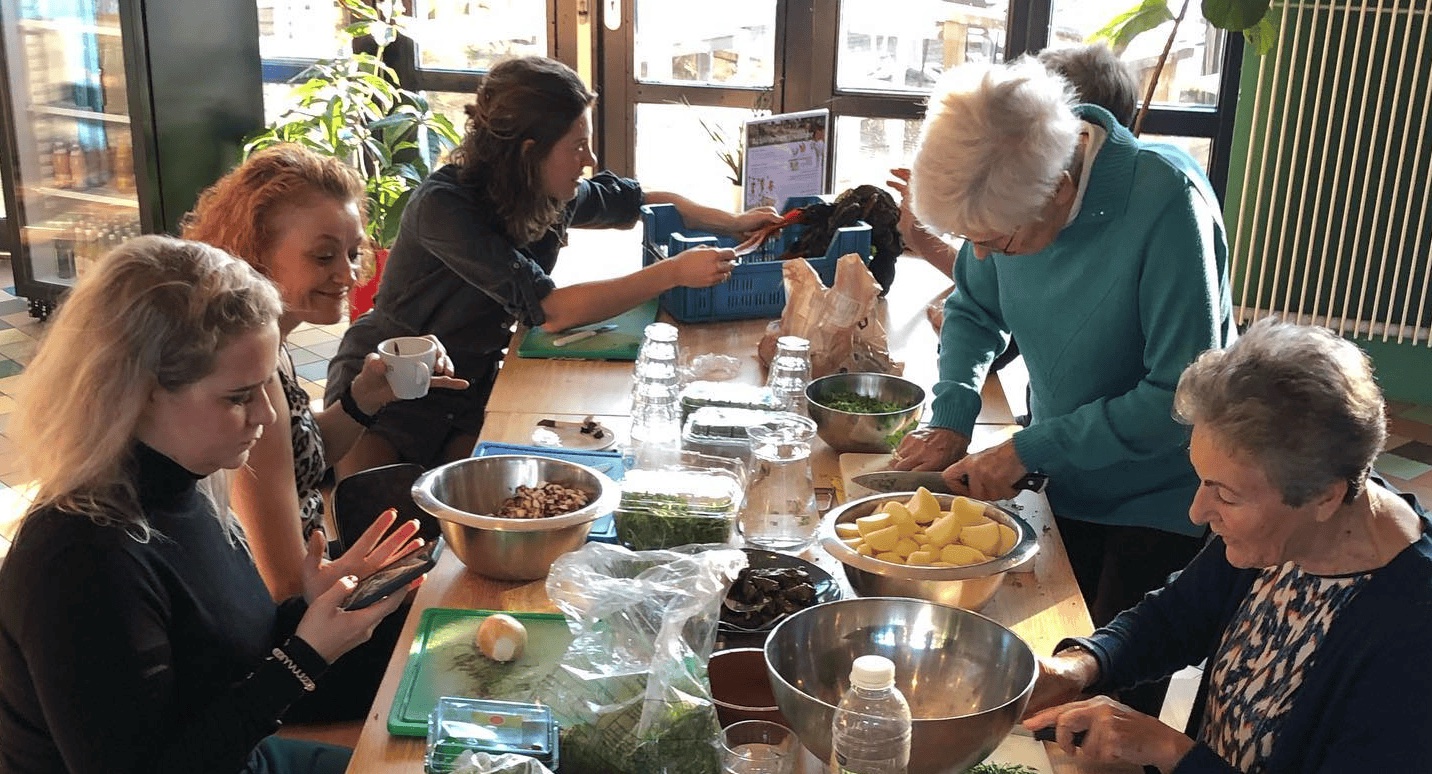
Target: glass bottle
(655,401)
(790,373)
(779,513)
(871,730)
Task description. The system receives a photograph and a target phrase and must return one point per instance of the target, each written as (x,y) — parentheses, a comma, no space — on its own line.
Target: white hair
(994,142)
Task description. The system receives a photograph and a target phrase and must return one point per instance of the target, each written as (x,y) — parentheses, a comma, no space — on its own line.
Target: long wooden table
(1042,605)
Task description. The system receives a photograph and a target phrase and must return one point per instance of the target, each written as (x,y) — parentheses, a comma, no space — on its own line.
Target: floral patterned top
(1265,651)
(309,462)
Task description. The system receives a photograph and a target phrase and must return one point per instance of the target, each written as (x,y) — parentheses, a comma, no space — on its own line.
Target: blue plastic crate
(604,530)
(755,288)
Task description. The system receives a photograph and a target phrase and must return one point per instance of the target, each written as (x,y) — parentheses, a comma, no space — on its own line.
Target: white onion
(501,637)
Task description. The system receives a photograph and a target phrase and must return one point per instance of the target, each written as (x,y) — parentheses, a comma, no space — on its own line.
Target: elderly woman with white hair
(1106,258)
(1312,605)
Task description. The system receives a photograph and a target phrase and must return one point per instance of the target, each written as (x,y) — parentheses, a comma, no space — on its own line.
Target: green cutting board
(619,344)
(444,661)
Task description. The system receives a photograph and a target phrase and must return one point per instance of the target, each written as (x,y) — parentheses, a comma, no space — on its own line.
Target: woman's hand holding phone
(368,554)
(332,631)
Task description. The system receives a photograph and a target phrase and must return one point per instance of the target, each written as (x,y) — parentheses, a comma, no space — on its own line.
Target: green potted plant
(1254,18)
(352,108)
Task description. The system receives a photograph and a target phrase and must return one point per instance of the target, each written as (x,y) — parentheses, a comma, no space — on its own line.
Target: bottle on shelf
(79,174)
(60,163)
(655,400)
(871,731)
(64,244)
(790,373)
(121,163)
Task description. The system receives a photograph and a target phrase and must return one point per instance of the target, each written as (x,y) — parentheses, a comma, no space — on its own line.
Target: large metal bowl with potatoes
(943,548)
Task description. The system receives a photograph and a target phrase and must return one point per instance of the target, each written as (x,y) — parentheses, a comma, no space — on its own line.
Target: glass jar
(780,513)
(790,373)
(656,401)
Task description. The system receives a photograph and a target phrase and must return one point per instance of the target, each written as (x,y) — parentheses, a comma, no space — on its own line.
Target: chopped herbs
(646,521)
(852,403)
(1000,768)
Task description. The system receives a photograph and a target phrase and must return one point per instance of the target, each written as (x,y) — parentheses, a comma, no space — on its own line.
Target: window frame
(807,44)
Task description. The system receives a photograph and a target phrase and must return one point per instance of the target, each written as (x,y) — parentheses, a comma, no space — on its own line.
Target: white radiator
(1329,212)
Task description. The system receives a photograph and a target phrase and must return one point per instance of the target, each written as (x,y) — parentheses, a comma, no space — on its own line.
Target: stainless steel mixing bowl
(969,587)
(464,494)
(966,677)
(847,431)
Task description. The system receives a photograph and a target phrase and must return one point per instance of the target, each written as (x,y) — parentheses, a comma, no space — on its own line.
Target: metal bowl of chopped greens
(864,412)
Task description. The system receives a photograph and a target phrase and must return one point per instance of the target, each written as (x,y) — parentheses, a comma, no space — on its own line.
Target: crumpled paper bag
(843,323)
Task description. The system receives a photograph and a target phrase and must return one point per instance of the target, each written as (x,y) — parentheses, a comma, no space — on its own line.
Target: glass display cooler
(116,114)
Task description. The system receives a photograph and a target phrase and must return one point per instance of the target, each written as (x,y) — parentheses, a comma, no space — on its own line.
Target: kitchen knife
(910,480)
(582,335)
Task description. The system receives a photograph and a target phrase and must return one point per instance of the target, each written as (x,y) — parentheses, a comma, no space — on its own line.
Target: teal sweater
(1107,317)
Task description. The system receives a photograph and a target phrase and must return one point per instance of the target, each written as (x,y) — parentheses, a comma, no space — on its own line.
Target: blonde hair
(992,147)
(154,313)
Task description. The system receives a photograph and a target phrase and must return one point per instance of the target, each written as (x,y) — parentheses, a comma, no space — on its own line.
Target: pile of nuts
(536,502)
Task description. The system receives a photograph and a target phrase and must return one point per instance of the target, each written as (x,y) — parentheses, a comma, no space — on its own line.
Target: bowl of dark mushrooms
(771,587)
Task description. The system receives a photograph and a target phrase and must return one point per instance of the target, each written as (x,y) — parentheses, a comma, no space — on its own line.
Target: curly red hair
(236,213)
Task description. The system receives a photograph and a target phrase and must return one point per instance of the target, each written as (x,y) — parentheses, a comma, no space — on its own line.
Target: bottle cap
(795,343)
(660,331)
(872,673)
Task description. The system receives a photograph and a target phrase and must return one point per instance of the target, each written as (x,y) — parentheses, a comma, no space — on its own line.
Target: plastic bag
(843,323)
(485,763)
(631,693)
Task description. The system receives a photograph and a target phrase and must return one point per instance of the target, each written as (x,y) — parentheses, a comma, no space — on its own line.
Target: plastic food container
(680,505)
(698,395)
(486,725)
(721,432)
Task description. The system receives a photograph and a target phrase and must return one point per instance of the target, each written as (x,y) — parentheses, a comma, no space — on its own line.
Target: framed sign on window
(786,155)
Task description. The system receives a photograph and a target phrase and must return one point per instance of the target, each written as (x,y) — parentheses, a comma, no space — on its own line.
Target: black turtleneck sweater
(121,656)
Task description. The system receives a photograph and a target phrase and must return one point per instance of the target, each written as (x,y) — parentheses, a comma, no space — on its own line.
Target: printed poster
(785,156)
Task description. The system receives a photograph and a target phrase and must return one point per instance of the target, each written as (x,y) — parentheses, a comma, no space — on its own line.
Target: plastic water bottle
(790,372)
(655,401)
(871,732)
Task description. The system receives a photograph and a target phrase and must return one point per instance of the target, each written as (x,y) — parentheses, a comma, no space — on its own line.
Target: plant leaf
(1235,15)
(1123,28)
(1263,35)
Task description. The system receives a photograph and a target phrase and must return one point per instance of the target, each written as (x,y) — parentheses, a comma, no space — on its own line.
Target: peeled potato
(981,537)
(899,533)
(1007,538)
(868,524)
(944,531)
(968,511)
(501,637)
(959,555)
(883,539)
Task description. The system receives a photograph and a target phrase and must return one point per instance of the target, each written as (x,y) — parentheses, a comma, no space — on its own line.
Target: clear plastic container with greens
(695,502)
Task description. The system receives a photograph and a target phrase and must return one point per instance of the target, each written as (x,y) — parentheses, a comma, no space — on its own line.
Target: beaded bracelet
(308,685)
(350,407)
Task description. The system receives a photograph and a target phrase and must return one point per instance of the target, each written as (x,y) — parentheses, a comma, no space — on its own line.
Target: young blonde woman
(297,217)
(135,633)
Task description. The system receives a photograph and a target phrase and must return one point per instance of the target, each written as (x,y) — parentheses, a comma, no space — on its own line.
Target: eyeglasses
(992,245)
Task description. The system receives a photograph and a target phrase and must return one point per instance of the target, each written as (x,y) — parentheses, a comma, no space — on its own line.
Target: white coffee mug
(410,361)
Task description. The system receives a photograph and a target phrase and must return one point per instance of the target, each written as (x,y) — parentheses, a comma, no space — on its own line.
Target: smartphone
(394,576)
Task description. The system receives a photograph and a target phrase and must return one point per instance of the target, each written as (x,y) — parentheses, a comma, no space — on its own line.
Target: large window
(677,79)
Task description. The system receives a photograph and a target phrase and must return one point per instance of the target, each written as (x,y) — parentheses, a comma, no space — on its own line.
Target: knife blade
(582,335)
(910,480)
